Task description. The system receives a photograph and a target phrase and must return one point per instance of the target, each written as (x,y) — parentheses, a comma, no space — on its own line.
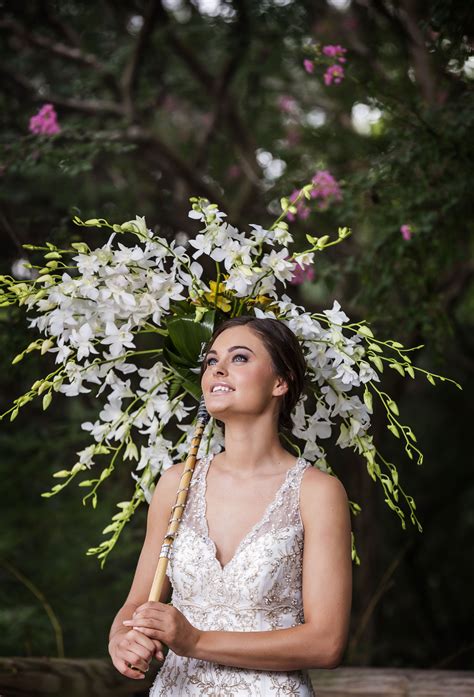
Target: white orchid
(93,320)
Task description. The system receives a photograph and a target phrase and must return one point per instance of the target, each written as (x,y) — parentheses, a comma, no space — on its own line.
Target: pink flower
(335,51)
(45,121)
(293,136)
(335,73)
(301,275)
(286,103)
(326,189)
(406,232)
(302,211)
(308,65)
(233,171)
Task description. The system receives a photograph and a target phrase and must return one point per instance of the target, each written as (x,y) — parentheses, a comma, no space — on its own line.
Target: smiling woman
(281,351)
(260,569)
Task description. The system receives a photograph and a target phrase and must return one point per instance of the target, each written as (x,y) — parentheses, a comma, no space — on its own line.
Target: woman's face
(239,361)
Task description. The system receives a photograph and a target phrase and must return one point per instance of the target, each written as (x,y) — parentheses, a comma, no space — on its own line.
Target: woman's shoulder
(320,490)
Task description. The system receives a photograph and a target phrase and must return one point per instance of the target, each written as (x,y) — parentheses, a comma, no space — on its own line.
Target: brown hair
(286,354)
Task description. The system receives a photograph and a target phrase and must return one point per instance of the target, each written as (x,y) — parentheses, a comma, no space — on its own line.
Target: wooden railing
(56,677)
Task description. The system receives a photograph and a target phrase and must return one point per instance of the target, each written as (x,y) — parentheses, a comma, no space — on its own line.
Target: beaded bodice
(259,589)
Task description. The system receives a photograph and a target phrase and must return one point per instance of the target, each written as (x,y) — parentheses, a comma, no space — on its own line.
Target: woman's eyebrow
(233,348)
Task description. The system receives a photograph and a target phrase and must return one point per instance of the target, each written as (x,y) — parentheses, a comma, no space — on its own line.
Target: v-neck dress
(259,589)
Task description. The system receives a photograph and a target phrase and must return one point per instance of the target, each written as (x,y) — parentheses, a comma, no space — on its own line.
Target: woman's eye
(237,355)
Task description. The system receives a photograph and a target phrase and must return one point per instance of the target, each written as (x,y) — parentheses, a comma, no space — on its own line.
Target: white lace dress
(259,589)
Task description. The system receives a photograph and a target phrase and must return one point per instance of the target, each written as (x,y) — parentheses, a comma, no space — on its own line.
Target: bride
(260,570)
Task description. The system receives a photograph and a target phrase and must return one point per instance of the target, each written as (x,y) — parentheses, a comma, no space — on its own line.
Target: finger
(150,605)
(143,640)
(149,612)
(150,622)
(140,644)
(159,653)
(125,669)
(134,659)
(154,634)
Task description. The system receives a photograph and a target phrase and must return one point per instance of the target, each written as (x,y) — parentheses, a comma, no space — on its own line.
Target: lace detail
(260,588)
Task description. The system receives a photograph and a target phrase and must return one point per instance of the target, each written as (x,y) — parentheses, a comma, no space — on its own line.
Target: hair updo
(286,354)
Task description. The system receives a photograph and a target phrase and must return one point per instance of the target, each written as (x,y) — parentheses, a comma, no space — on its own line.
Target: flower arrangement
(130,321)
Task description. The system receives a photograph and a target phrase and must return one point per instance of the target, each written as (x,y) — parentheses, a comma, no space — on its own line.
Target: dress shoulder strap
(285,510)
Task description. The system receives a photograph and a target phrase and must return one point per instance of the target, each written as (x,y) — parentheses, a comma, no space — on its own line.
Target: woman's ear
(280,387)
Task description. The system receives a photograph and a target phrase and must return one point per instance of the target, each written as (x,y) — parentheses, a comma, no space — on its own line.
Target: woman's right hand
(133,648)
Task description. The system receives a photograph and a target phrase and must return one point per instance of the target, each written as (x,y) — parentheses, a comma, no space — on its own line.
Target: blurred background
(152,102)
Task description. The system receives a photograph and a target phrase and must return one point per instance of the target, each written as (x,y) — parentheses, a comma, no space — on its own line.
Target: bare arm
(327,592)
(157,524)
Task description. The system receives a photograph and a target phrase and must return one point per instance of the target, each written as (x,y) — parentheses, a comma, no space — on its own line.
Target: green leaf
(187,337)
(430,378)
(61,473)
(174,387)
(410,371)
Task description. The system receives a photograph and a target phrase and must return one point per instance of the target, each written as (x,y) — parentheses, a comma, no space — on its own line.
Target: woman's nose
(219,369)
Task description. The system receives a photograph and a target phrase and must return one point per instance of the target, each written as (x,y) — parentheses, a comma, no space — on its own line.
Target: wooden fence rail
(62,677)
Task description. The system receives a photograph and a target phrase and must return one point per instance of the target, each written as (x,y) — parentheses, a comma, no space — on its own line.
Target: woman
(260,568)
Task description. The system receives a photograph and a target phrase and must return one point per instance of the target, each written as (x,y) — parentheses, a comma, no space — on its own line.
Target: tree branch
(142,136)
(223,83)
(422,61)
(58,25)
(208,81)
(130,74)
(74,54)
(85,106)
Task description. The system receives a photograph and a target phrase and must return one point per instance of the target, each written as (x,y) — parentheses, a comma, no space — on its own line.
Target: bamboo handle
(181,497)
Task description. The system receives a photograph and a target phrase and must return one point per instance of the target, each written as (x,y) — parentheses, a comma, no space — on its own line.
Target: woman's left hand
(167,624)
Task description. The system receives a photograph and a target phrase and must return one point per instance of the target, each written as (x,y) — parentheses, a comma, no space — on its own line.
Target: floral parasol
(130,321)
